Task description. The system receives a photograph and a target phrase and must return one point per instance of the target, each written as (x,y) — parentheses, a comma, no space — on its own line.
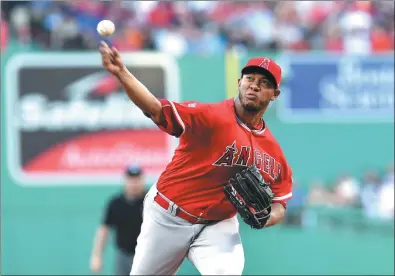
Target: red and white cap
(266,65)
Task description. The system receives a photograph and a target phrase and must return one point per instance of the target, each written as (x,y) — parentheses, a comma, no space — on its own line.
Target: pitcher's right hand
(111,59)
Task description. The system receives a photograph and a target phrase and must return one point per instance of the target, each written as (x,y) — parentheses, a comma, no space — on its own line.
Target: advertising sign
(324,88)
(69,121)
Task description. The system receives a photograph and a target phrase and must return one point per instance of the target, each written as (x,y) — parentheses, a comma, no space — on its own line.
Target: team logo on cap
(265,63)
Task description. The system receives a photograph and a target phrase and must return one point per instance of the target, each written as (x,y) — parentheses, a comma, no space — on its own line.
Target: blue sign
(336,88)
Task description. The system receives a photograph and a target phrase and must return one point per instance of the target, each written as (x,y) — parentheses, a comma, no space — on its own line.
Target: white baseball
(105,28)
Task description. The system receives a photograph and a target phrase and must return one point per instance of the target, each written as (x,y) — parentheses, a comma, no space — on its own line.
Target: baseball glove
(251,196)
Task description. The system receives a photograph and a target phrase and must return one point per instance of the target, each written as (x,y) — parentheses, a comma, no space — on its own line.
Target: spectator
(20,20)
(356,27)
(333,40)
(4,34)
(66,35)
(386,196)
(346,191)
(389,175)
(171,41)
(381,40)
(162,15)
(370,194)
(318,195)
(288,30)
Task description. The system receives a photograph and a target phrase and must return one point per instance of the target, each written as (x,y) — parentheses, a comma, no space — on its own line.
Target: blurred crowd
(204,27)
(373,194)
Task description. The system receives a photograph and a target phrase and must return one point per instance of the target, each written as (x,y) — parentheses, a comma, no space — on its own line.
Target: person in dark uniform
(123,215)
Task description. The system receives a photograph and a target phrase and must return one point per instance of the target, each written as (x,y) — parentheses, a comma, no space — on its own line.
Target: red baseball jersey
(214,145)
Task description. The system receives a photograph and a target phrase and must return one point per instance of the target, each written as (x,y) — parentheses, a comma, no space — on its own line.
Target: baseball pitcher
(227,163)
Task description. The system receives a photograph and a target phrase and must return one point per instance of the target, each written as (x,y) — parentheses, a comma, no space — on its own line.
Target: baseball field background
(47,228)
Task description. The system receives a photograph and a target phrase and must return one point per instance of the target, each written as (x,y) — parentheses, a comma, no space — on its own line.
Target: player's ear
(238,82)
(275,94)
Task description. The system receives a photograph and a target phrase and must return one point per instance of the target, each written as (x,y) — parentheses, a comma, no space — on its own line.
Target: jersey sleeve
(185,117)
(109,214)
(282,188)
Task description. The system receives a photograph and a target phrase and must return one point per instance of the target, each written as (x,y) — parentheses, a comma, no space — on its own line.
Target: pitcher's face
(256,91)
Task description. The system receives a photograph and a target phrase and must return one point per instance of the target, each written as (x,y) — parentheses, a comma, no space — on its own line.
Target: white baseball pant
(165,240)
